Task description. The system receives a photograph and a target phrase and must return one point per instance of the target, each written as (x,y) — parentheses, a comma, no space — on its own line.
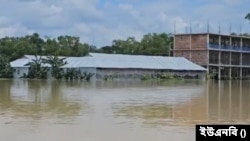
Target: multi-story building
(226,56)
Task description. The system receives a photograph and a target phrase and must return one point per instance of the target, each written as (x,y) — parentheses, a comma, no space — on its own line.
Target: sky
(99,22)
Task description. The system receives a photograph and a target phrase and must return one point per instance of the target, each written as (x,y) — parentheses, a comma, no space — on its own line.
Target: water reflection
(144,84)
(147,111)
(36,99)
(228,101)
(217,102)
(5,93)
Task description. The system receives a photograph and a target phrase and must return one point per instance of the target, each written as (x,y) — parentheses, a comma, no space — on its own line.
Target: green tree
(151,44)
(5,69)
(16,47)
(128,46)
(71,46)
(156,44)
(51,47)
(37,69)
(56,64)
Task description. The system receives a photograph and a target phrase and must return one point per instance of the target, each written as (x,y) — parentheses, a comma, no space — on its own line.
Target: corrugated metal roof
(144,62)
(101,60)
(19,62)
(76,62)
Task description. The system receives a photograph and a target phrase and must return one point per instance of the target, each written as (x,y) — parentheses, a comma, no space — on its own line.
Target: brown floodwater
(47,110)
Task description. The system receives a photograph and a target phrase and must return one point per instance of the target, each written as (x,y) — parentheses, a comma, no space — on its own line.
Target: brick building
(225,56)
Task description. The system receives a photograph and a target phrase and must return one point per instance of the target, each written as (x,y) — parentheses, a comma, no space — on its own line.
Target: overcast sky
(98,22)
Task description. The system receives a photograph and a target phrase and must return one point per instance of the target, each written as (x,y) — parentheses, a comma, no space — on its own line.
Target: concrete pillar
(219,68)
(244,72)
(241,43)
(208,36)
(230,42)
(219,100)
(230,69)
(240,72)
(219,72)
(190,47)
(241,58)
(219,42)
(230,72)
(241,105)
(230,99)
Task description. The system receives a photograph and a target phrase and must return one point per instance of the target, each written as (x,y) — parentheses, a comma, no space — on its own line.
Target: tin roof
(102,60)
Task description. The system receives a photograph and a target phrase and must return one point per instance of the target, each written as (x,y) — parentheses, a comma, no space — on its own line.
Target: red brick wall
(199,41)
(198,48)
(182,42)
(198,57)
(182,53)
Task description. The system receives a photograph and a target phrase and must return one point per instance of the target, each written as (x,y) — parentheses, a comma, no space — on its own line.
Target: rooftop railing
(216,46)
(236,48)
(245,48)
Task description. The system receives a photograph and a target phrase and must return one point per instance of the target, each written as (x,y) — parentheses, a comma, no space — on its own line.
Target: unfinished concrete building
(225,56)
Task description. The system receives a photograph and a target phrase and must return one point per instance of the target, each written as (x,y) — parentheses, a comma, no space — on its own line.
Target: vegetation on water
(39,69)
(56,63)
(36,69)
(5,69)
(148,76)
(167,76)
(76,74)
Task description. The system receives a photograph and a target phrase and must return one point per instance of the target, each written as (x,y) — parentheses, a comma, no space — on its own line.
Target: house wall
(199,42)
(82,70)
(89,70)
(138,73)
(199,57)
(20,71)
(182,42)
(122,73)
(182,53)
(192,47)
(194,42)
(117,73)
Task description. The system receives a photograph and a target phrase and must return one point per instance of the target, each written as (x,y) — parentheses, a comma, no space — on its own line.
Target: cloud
(101,21)
(14,30)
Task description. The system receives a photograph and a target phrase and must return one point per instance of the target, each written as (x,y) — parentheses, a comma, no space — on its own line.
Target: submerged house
(120,65)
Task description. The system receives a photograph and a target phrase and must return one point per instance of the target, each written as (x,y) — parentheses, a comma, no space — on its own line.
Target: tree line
(12,48)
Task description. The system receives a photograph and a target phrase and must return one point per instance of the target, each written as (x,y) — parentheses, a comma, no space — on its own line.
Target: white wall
(20,71)
(123,73)
(89,70)
(82,70)
(127,73)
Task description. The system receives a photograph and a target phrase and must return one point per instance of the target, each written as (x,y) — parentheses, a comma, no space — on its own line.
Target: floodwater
(36,110)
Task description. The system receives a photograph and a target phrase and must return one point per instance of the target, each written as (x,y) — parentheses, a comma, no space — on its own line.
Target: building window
(18,71)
